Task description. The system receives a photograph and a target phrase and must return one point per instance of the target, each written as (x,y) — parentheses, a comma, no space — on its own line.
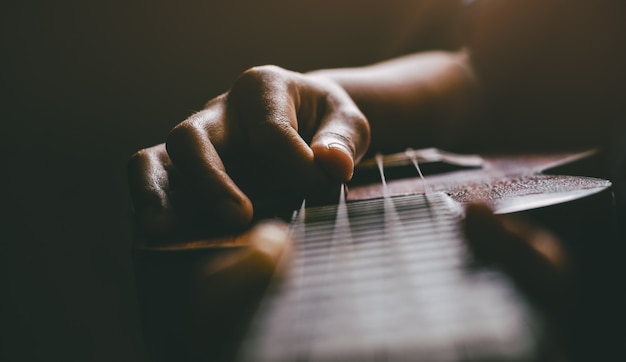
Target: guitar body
(388,313)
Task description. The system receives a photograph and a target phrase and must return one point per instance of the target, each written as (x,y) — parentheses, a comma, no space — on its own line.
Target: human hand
(276,137)
(533,256)
(225,291)
(196,304)
(537,262)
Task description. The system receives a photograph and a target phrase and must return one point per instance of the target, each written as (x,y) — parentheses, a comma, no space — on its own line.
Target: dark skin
(305,130)
(276,130)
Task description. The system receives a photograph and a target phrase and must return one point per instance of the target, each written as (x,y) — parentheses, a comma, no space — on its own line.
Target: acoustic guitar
(384,274)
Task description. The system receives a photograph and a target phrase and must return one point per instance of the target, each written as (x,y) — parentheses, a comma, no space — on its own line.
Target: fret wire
(370,254)
(365,221)
(420,242)
(364,286)
(373,210)
(424,262)
(429,278)
(403,199)
(321,236)
(375,247)
(382,272)
(358,218)
(436,293)
(365,238)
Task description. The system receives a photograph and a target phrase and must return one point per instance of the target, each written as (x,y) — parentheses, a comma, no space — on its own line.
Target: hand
(276,137)
(225,291)
(536,261)
(195,305)
(534,257)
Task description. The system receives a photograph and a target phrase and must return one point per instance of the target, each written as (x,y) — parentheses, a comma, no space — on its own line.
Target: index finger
(192,147)
(149,184)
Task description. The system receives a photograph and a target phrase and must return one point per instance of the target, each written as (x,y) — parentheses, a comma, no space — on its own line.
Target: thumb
(340,142)
(531,255)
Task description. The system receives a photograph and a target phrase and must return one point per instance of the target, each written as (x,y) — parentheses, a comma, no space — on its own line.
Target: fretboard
(389,279)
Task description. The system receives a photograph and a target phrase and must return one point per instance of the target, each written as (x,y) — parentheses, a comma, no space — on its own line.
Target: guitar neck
(384,278)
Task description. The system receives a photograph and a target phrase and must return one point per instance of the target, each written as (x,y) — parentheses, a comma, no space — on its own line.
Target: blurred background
(85,84)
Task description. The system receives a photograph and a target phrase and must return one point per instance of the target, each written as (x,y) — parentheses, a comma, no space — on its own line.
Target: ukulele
(384,274)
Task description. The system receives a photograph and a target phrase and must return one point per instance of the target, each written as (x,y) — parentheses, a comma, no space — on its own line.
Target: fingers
(149,184)
(226,290)
(268,242)
(192,147)
(342,138)
(532,256)
(277,136)
(265,103)
(280,111)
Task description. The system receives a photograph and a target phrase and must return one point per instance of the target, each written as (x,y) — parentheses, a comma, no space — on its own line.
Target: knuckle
(357,123)
(258,79)
(262,73)
(262,97)
(361,123)
(357,134)
(144,158)
(363,127)
(138,157)
(136,161)
(178,137)
(143,163)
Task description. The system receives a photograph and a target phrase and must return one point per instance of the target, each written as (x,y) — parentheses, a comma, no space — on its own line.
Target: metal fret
(400,291)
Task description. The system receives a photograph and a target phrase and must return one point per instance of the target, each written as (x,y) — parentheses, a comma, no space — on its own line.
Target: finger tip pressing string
(335,159)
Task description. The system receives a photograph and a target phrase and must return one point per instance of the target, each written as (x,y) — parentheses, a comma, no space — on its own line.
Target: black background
(85,84)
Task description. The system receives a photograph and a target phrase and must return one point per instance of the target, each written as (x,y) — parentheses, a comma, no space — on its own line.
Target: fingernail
(341,147)
(345,150)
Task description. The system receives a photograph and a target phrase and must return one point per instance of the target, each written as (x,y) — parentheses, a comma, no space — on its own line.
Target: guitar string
(346,272)
(340,269)
(379,164)
(330,260)
(299,275)
(337,255)
(413,157)
(377,286)
(391,219)
(395,236)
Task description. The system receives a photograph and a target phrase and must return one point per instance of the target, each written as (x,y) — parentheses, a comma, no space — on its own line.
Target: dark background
(85,84)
